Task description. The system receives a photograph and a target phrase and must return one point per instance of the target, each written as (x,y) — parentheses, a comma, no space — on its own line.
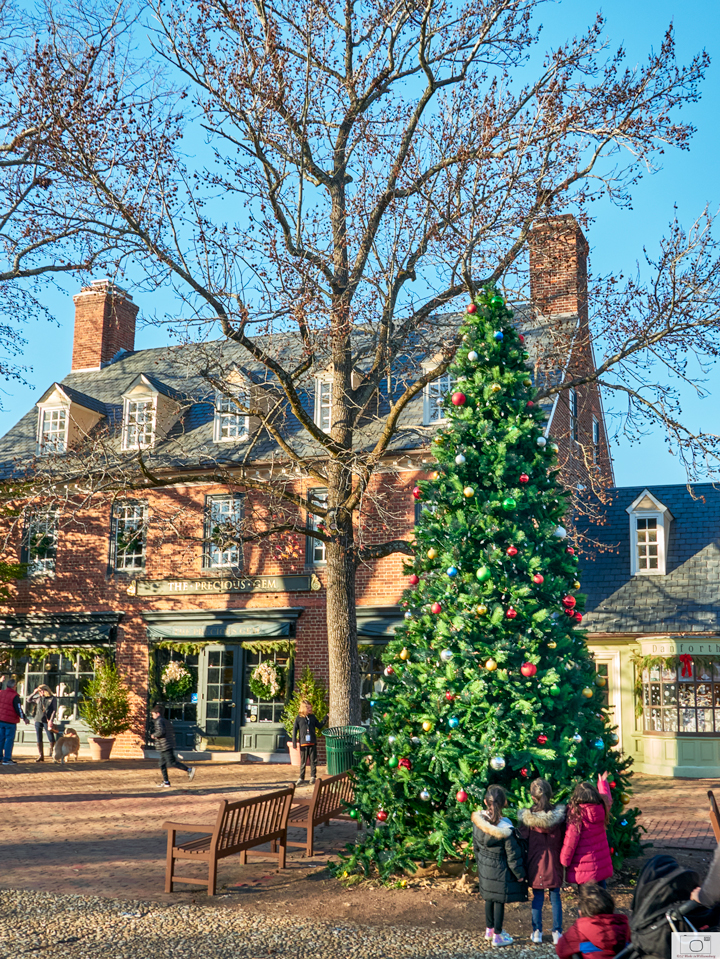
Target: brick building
(144,574)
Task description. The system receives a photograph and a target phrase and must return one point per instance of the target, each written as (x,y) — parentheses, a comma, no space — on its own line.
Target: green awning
(220,631)
(375,629)
(60,630)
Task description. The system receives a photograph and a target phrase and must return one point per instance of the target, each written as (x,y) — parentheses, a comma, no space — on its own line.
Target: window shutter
(112,554)
(25,541)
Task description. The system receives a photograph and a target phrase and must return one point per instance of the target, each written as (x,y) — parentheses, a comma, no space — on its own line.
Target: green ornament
(392,762)
(483,574)
(572,762)
(354,814)
(554,690)
(497,300)
(509,503)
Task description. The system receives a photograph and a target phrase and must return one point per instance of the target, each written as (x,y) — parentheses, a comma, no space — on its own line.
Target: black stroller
(662,905)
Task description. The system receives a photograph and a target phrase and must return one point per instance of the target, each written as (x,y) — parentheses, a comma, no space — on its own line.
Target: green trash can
(342,745)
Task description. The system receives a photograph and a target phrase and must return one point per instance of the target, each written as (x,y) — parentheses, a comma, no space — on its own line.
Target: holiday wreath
(176,681)
(266,681)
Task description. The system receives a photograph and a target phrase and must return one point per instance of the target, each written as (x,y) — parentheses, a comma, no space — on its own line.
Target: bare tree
(355,173)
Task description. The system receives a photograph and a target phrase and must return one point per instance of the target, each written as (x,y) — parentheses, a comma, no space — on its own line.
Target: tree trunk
(344,666)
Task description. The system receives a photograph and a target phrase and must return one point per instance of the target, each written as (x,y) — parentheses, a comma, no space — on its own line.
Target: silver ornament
(446,655)
(459,459)
(424,795)
(439,401)
(541,441)
(416,740)
(391,740)
(473,357)
(408,615)
(498,763)
(577,739)
(560,532)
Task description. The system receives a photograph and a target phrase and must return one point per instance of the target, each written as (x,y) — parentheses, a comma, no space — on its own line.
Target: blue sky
(617,237)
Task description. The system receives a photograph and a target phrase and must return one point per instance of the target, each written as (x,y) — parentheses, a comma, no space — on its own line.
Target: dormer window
(52,433)
(434,399)
(231,425)
(323,404)
(649,532)
(139,423)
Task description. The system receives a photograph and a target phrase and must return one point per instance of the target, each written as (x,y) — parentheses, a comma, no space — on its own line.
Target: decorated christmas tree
(489,679)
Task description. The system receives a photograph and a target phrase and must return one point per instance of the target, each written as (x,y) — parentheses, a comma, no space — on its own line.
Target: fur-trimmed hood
(542,820)
(500,830)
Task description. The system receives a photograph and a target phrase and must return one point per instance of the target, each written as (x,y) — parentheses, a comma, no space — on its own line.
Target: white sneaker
(163,785)
(556,936)
(502,940)
(536,936)
(191,773)
(489,932)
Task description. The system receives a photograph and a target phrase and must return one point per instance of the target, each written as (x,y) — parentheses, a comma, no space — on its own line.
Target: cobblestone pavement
(675,811)
(86,927)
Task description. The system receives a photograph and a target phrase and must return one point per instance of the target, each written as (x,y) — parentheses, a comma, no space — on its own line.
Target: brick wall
(104,324)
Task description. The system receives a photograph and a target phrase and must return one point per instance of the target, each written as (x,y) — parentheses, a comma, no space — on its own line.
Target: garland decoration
(683,663)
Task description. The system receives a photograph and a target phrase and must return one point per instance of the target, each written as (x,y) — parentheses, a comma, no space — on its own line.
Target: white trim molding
(649,534)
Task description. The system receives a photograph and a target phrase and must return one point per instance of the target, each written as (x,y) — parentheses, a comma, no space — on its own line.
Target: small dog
(67,745)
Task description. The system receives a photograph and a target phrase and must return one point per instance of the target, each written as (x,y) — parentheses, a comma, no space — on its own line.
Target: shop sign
(679,647)
(239,584)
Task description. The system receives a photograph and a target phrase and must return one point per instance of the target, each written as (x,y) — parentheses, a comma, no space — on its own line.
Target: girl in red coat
(599,931)
(585,851)
(544,828)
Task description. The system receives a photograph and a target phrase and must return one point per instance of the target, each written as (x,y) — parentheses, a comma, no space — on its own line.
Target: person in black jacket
(42,705)
(164,736)
(500,866)
(305,730)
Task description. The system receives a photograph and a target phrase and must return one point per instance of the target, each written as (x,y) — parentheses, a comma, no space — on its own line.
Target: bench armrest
(187,827)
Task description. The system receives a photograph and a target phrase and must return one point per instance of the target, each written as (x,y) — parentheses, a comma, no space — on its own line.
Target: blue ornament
(453,722)
(599,744)
(452,572)
(373,704)
(499,335)
(623,822)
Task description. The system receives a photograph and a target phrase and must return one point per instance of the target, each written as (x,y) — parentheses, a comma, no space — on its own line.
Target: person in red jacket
(600,932)
(11,712)
(585,852)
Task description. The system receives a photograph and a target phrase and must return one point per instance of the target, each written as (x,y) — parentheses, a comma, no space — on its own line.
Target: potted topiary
(106,710)
(316,694)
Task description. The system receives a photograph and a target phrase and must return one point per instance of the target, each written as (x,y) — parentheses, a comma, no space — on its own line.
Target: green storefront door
(220,689)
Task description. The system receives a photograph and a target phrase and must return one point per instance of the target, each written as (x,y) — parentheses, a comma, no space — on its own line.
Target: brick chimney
(104,324)
(558,267)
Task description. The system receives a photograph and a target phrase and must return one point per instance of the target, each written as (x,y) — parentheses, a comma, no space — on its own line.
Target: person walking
(543,826)
(501,871)
(164,736)
(585,851)
(42,706)
(304,734)
(11,712)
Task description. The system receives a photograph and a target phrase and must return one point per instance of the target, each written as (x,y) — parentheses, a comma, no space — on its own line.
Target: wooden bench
(328,802)
(714,816)
(239,826)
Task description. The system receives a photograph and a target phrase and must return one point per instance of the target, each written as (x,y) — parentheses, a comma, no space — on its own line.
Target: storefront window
(66,676)
(264,710)
(371,676)
(677,703)
(184,709)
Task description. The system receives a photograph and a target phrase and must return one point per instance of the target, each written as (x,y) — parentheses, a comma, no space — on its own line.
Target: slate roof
(687,598)
(176,372)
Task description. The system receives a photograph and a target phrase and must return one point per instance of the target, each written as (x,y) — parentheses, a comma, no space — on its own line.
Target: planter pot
(100,748)
(294,754)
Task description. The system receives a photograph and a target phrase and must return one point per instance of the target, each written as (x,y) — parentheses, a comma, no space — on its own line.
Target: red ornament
(577,617)
(524,478)
(382,815)
(613,784)
(461,795)
(570,613)
(511,613)
(542,739)
(570,550)
(405,763)
(471,309)
(450,697)
(530,404)
(436,608)
(521,338)
(538,578)
(417,492)
(569,602)
(511,550)
(528,669)
(414,580)
(524,772)
(458,399)
(612,851)
(389,671)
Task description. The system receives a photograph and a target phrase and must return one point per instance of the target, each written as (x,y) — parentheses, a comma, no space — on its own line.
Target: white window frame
(227,414)
(130,401)
(230,557)
(49,519)
(316,549)
(58,446)
(648,507)
(433,412)
(595,438)
(119,558)
(573,412)
(323,404)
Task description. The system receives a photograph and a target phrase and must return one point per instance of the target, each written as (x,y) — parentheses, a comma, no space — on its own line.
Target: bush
(311,689)
(106,706)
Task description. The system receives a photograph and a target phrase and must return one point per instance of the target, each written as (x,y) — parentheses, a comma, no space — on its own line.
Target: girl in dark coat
(501,871)
(544,828)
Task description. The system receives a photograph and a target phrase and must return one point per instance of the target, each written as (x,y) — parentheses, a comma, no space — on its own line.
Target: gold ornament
(552,644)
(432,553)
(527,381)
(625,798)
(481,609)
(491,665)
(495,388)
(587,693)
(427,726)
(600,681)
(404,654)
(434,475)
(468,492)
(576,585)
